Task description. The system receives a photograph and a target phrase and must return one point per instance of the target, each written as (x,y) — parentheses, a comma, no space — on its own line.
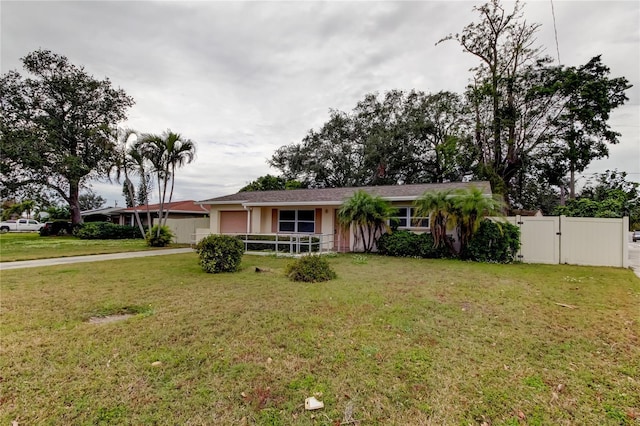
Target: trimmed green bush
(106,231)
(220,253)
(494,242)
(311,269)
(404,243)
(159,240)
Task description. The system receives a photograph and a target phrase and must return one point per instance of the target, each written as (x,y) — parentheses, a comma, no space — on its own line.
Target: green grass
(30,246)
(397,341)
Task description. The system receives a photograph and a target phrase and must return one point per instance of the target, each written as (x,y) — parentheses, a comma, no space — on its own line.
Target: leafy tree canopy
(56,126)
(271,183)
(398,138)
(528,114)
(608,195)
(89,200)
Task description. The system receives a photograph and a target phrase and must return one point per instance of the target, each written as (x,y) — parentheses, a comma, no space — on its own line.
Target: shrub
(408,244)
(220,253)
(163,239)
(311,269)
(106,231)
(496,242)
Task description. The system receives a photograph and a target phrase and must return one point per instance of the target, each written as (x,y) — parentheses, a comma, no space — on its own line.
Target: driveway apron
(4,266)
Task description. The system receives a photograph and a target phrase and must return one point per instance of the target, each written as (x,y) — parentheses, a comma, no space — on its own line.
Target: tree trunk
(74,203)
(572,182)
(135,208)
(173,181)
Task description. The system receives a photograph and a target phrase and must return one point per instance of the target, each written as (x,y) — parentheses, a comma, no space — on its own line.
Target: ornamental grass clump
(310,269)
(161,238)
(220,253)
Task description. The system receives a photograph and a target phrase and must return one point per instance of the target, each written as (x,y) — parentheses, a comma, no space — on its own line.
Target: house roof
(335,196)
(103,210)
(186,206)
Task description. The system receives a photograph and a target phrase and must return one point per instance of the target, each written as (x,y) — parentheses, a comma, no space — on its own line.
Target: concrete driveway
(634,257)
(4,266)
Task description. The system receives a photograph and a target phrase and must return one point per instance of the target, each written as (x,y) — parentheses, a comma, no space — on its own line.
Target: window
(297,221)
(406,220)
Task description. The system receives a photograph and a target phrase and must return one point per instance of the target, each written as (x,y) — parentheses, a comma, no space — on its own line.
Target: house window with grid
(405,219)
(302,221)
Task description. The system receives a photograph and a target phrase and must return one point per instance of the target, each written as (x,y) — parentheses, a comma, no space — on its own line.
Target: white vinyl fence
(573,240)
(184,229)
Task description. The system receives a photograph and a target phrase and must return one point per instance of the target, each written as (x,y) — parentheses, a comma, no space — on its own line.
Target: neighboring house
(313,211)
(104,214)
(187,209)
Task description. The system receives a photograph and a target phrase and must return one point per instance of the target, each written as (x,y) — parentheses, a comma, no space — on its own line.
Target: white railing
(290,243)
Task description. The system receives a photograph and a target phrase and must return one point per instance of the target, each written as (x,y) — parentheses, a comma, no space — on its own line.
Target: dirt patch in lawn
(109,318)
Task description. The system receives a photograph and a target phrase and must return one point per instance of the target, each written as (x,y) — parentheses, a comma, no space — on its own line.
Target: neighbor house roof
(335,196)
(187,206)
(103,210)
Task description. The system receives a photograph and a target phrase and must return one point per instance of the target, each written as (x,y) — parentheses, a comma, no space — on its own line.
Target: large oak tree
(56,127)
(397,138)
(528,112)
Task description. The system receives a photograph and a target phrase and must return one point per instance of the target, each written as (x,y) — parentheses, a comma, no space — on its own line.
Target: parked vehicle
(636,236)
(59,227)
(21,225)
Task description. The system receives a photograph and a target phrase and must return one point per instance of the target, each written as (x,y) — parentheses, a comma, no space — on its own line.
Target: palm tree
(124,164)
(439,207)
(166,152)
(28,205)
(369,216)
(139,163)
(471,207)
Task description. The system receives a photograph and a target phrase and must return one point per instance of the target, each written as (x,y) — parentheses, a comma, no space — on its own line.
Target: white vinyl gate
(573,240)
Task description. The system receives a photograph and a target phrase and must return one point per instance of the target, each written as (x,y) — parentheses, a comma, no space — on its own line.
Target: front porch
(288,244)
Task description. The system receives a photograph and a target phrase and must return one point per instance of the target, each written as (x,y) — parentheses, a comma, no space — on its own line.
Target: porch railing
(279,243)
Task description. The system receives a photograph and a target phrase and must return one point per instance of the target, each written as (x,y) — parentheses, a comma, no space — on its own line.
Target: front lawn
(28,246)
(390,341)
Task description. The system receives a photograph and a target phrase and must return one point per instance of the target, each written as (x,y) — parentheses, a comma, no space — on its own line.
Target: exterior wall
(256,219)
(264,220)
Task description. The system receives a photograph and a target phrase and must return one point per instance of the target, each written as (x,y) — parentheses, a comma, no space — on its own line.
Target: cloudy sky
(244,78)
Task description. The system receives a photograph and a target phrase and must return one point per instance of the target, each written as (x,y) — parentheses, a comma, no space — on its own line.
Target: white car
(21,225)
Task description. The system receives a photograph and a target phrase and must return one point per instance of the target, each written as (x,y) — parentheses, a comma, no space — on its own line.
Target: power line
(555,30)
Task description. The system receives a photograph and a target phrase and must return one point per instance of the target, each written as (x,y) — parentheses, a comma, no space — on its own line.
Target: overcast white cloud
(244,78)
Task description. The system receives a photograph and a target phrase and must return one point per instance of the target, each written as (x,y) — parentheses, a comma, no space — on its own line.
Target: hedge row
(106,231)
(404,243)
(495,242)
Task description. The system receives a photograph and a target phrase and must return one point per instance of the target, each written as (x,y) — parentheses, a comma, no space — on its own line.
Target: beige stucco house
(313,211)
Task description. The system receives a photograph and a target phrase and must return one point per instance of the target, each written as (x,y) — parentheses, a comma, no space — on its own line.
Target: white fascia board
(412,198)
(293,204)
(215,203)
